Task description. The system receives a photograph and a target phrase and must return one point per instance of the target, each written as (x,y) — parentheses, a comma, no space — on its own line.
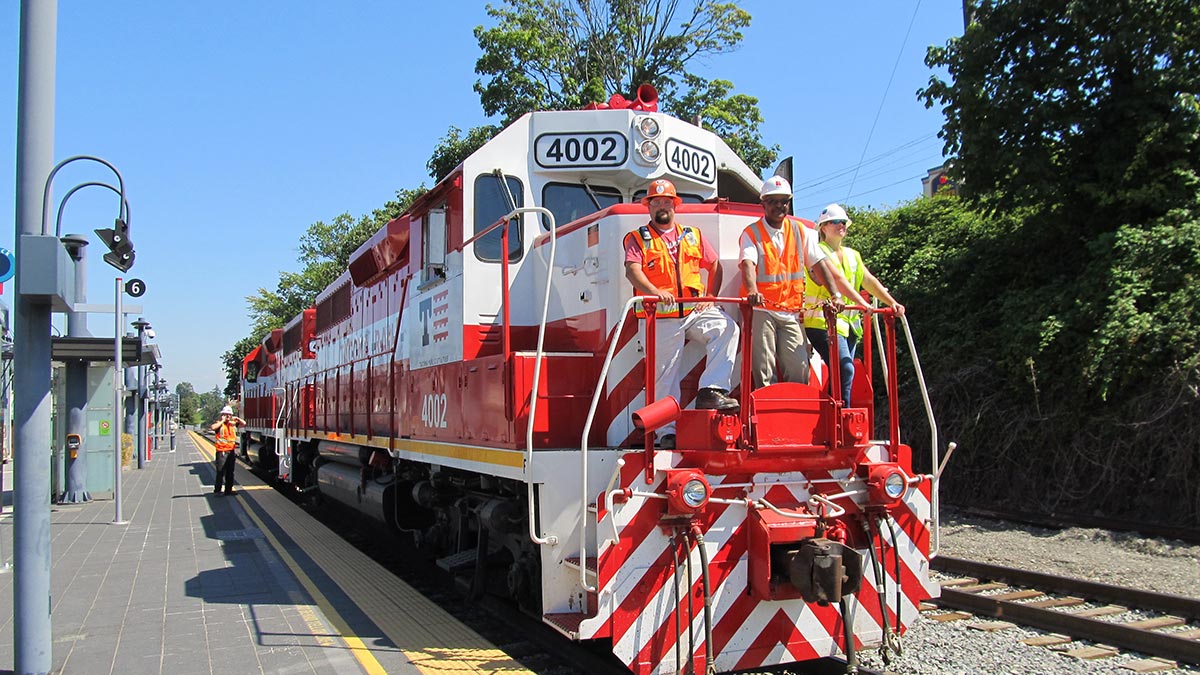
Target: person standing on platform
(777,251)
(832,224)
(664,260)
(226,430)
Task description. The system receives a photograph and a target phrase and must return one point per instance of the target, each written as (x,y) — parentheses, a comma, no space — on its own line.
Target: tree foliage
(189,403)
(1088,103)
(325,250)
(1081,386)
(453,148)
(209,405)
(564,54)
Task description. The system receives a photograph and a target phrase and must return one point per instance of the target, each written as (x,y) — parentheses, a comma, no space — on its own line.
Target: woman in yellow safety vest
(832,225)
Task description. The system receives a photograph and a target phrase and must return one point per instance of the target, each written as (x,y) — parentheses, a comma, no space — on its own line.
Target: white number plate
(433,411)
(688,160)
(603,148)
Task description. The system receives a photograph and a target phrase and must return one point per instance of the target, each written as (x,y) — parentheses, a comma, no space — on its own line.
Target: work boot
(667,442)
(715,399)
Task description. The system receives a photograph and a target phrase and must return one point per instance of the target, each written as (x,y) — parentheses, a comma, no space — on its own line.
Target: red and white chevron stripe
(641,593)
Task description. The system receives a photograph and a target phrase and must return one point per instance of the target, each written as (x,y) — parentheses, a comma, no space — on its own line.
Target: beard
(662,217)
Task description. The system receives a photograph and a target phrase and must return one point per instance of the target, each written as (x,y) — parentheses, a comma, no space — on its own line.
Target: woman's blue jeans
(846,349)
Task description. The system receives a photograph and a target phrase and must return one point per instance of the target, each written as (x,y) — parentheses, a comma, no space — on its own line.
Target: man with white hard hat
(226,441)
(776,252)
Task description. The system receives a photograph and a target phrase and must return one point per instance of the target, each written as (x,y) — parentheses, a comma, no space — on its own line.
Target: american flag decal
(441,318)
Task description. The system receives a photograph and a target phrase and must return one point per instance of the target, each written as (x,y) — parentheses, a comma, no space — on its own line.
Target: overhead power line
(885,92)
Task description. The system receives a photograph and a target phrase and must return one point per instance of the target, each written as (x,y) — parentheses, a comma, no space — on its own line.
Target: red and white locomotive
(476,378)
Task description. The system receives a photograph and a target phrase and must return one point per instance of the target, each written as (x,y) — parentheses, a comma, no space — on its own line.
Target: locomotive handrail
(537,364)
(583,441)
(935,487)
(648,302)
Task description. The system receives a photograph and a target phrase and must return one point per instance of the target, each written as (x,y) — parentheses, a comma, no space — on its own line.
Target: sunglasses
(779,201)
(839,223)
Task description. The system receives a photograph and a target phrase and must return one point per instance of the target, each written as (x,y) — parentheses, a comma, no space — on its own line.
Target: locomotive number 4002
(604,148)
(433,411)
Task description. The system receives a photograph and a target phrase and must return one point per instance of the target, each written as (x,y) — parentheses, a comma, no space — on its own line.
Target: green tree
(232,362)
(453,148)
(735,118)
(189,403)
(325,250)
(1088,104)
(563,54)
(210,404)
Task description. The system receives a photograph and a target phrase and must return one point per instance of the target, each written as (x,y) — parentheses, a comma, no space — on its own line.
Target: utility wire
(885,92)
(802,209)
(844,171)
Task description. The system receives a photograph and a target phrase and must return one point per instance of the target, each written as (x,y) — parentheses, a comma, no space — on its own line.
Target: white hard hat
(775,185)
(226,410)
(832,212)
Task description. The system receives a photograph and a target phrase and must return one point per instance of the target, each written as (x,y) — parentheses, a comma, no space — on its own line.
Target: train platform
(246,583)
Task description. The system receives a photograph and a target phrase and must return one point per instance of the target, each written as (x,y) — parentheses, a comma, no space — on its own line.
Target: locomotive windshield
(571,201)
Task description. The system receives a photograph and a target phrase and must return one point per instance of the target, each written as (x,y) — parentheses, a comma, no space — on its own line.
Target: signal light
(120,247)
(121,261)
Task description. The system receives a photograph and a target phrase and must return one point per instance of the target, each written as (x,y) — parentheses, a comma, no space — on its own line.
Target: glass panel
(570,202)
(491,203)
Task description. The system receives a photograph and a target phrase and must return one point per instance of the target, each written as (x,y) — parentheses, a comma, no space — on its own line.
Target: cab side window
(493,199)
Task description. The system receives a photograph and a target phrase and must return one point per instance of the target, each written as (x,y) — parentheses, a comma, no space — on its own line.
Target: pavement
(192,584)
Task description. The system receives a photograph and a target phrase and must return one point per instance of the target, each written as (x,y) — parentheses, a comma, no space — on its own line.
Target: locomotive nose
(824,571)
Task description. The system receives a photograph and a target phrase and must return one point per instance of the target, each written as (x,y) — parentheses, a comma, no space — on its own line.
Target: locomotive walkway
(249,583)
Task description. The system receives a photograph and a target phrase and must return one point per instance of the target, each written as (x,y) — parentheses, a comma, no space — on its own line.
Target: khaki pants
(778,337)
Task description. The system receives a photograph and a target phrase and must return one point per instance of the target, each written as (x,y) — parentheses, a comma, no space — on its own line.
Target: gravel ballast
(1117,558)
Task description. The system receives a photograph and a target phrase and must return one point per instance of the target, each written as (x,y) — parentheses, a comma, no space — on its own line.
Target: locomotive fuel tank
(346,486)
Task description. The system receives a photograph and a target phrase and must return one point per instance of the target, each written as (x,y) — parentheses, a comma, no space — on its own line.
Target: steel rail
(1106,632)
(1091,590)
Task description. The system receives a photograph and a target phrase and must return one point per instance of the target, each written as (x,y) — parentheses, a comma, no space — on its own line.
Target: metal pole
(141,396)
(118,414)
(77,372)
(32,635)
(154,415)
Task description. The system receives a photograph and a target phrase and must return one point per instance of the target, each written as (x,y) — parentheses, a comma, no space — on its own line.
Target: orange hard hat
(661,188)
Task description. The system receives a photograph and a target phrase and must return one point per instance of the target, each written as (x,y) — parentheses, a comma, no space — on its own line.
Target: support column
(31,349)
(77,377)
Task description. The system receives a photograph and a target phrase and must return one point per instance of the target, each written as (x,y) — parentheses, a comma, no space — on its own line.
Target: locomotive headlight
(886,483)
(647,126)
(894,485)
(695,493)
(649,152)
(687,491)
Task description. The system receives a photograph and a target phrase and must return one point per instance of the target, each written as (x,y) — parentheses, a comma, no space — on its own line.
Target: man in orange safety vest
(776,250)
(226,441)
(664,259)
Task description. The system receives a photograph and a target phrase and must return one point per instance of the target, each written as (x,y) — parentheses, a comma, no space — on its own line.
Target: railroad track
(1058,605)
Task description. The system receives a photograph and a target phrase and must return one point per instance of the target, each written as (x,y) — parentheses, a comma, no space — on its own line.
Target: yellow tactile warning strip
(433,641)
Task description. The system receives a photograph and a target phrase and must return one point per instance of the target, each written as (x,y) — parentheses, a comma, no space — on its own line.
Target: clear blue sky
(238,124)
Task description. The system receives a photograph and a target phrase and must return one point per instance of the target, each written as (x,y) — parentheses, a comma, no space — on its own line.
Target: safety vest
(682,276)
(780,275)
(226,437)
(853,268)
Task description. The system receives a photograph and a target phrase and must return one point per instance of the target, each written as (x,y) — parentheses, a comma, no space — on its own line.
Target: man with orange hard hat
(776,252)
(664,260)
